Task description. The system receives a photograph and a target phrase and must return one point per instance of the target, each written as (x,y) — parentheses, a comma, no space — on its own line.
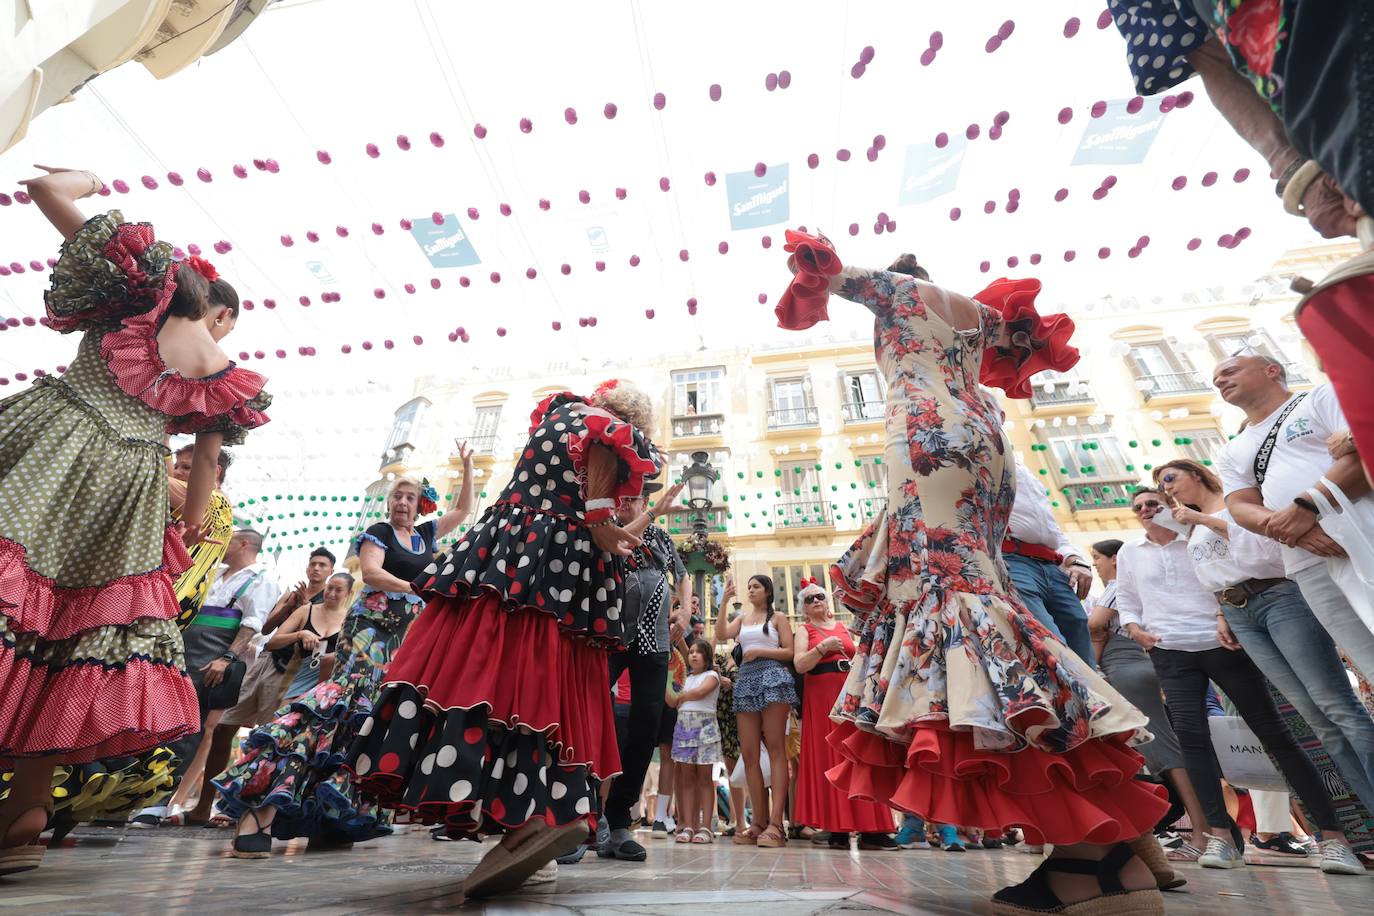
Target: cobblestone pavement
(185,869)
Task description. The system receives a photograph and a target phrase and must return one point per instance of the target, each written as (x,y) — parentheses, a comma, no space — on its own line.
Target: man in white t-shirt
(1266,472)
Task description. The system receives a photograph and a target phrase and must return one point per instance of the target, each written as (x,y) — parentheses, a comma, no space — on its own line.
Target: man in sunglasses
(1269,472)
(1050,575)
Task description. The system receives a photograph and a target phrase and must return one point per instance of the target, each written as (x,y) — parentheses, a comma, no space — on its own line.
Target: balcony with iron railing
(803,513)
(793,417)
(1173,384)
(1109,491)
(702,424)
(487,444)
(1066,392)
(864,411)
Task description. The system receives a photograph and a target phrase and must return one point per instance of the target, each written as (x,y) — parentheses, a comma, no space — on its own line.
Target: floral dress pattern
(959,705)
(92,665)
(294,762)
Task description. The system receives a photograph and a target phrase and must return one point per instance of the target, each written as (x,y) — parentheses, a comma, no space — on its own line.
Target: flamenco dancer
(960,707)
(496,713)
(91,660)
(288,783)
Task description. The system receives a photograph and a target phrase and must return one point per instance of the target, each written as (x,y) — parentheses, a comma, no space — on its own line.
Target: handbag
(1350,524)
(1244,762)
(740,778)
(225,694)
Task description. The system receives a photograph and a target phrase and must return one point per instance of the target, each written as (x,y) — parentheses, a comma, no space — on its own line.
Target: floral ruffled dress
(497,707)
(959,706)
(91,660)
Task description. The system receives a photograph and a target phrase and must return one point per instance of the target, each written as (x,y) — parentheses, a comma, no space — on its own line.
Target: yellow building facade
(797,433)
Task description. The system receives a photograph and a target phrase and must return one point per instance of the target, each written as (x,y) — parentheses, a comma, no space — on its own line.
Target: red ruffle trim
(542,409)
(467,652)
(129,242)
(619,437)
(1085,795)
(132,354)
(1037,342)
(804,301)
(90,712)
(34,604)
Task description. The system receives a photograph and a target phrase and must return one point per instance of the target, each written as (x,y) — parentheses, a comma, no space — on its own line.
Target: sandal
(255,845)
(184,819)
(684,836)
(1033,897)
(503,869)
(703,837)
(27,854)
(771,838)
(747,837)
(1155,858)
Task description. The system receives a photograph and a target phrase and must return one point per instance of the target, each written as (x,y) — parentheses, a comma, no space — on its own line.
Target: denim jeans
(1045,591)
(1184,677)
(1331,607)
(1286,641)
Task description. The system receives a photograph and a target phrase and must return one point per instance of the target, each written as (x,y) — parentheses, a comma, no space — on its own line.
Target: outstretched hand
(464,451)
(96,183)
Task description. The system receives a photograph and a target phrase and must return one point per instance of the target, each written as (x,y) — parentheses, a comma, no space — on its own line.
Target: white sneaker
(1337,859)
(1222,853)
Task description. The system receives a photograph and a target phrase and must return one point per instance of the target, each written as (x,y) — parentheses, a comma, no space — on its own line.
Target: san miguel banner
(445,244)
(1119,137)
(758,201)
(931,171)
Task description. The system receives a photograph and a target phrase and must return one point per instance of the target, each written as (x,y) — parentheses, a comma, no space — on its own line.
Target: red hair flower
(204,268)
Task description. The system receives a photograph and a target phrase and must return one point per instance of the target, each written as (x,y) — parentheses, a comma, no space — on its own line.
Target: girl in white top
(696,744)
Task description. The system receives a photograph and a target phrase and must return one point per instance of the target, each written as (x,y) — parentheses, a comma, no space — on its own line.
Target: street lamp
(701,479)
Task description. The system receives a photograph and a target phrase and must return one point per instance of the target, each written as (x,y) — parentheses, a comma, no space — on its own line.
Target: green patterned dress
(91,660)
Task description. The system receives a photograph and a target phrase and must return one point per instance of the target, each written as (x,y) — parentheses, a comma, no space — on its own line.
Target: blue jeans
(1289,645)
(1045,591)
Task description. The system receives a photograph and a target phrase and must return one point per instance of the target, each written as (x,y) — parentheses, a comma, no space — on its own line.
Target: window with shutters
(865,397)
(1089,465)
(790,403)
(1161,371)
(699,401)
(1259,343)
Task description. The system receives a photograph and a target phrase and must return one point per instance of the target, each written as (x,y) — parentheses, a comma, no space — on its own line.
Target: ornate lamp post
(701,479)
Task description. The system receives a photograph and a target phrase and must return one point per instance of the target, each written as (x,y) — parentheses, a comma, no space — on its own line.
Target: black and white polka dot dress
(497,706)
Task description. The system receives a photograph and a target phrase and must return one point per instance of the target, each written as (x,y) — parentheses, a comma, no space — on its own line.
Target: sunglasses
(1147,504)
(1169,476)
(815,599)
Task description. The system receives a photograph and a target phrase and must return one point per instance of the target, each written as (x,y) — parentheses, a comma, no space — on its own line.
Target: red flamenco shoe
(1337,317)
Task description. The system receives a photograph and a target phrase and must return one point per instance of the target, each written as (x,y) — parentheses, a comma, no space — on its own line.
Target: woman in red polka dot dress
(496,713)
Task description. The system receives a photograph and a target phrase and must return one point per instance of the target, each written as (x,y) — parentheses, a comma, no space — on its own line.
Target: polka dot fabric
(497,707)
(1160,34)
(91,661)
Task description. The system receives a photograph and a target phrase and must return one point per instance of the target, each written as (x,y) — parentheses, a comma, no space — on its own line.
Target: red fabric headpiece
(204,268)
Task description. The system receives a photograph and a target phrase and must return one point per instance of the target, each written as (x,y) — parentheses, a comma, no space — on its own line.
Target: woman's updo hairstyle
(222,295)
(906,264)
(191,298)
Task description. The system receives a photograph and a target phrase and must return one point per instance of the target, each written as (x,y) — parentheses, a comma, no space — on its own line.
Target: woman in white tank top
(764,695)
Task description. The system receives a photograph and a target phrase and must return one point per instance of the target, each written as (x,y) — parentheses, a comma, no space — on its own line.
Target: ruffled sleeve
(110,269)
(378,534)
(636,457)
(548,405)
(803,303)
(1019,341)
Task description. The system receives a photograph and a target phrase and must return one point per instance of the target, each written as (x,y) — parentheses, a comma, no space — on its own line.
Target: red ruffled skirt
(90,673)
(490,717)
(819,803)
(1084,795)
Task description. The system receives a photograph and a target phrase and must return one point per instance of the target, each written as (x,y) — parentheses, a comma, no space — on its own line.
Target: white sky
(336,75)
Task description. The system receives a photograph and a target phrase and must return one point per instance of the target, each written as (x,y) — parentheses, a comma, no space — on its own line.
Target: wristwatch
(229,656)
(1306,504)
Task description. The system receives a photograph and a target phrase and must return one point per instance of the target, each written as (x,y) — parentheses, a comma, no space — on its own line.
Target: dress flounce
(109,270)
(804,301)
(1083,795)
(1037,342)
(489,719)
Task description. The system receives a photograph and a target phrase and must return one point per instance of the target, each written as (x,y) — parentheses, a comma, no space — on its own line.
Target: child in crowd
(696,744)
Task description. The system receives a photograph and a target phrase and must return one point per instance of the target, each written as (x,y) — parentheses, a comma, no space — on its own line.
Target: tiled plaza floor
(188,869)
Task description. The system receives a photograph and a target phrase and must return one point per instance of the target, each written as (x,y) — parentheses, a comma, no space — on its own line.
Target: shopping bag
(740,780)
(1350,524)
(1243,759)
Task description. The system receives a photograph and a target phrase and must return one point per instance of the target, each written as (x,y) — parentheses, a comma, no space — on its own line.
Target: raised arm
(726,628)
(55,194)
(463,508)
(875,290)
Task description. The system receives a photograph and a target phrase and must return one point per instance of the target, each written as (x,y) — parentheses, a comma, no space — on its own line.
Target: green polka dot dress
(91,660)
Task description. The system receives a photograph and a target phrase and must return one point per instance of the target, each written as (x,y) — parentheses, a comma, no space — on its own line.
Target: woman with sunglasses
(822,652)
(1264,614)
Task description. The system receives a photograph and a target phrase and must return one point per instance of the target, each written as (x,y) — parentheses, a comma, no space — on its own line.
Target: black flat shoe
(1033,897)
(872,841)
